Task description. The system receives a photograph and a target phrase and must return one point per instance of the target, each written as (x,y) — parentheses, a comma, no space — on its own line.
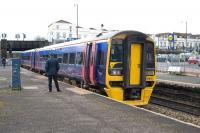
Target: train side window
(65,58)
(150,56)
(59,56)
(79,58)
(72,58)
(60,60)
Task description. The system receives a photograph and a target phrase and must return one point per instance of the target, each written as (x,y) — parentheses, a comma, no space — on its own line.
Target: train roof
(101,36)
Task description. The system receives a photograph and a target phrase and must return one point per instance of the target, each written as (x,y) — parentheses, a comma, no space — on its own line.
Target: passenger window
(72,58)
(65,58)
(59,56)
(60,60)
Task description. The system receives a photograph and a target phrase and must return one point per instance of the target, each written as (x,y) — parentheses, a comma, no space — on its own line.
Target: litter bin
(15,75)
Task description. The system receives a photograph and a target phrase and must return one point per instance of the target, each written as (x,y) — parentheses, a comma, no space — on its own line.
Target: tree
(17,36)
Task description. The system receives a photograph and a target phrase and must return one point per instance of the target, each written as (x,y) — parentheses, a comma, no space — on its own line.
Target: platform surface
(74,110)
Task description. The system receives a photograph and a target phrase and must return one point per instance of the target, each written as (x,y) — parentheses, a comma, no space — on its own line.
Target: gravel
(174,114)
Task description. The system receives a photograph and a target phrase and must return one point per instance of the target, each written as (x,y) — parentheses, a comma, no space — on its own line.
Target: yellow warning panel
(135,64)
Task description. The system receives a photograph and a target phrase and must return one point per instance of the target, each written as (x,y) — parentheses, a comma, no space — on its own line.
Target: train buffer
(74,110)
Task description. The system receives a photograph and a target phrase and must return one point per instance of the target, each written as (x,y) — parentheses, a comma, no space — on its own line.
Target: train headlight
(150,72)
(115,71)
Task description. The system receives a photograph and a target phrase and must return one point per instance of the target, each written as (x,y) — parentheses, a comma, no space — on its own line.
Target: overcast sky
(148,16)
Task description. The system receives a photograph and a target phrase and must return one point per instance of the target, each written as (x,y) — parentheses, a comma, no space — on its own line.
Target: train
(120,64)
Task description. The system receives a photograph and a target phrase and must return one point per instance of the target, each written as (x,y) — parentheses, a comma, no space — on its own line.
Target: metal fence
(164,64)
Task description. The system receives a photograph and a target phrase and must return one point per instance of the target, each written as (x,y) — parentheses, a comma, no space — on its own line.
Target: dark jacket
(52,66)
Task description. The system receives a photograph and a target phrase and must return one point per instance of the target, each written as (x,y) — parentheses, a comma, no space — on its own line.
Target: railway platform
(74,110)
(180,80)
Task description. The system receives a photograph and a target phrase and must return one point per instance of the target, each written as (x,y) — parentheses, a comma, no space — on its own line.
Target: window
(72,58)
(57,26)
(79,58)
(59,57)
(100,57)
(41,58)
(164,45)
(65,58)
(58,35)
(116,53)
(150,56)
(64,35)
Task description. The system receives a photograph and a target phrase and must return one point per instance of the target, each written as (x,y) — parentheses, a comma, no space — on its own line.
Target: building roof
(79,27)
(92,28)
(60,21)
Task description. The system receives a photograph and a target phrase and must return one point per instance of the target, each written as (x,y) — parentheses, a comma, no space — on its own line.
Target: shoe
(50,91)
(58,90)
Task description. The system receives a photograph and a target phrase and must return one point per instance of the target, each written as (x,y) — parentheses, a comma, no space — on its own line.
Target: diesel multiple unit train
(120,63)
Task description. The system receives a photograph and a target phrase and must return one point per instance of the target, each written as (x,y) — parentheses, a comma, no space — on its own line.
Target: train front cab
(130,73)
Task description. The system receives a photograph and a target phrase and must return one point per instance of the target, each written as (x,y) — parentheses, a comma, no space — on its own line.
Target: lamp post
(186,33)
(185,44)
(76,20)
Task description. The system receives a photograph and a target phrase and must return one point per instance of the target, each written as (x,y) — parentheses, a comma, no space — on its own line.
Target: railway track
(172,104)
(177,98)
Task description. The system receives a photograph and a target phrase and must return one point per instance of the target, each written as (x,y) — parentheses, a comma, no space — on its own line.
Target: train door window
(46,57)
(100,57)
(65,58)
(91,57)
(72,58)
(41,58)
(79,58)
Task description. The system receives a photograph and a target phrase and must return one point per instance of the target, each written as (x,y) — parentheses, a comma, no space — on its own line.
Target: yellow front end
(118,92)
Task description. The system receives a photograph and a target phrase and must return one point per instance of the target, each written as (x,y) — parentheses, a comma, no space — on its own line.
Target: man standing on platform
(52,67)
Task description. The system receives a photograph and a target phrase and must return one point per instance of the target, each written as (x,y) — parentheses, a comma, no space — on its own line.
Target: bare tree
(17,36)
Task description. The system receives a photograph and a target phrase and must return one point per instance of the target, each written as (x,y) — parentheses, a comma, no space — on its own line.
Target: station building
(178,42)
(63,31)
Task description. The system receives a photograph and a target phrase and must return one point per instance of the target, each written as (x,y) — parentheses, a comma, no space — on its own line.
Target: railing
(185,67)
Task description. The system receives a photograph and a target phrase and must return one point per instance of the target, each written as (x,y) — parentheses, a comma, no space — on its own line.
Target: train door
(89,64)
(86,65)
(135,62)
(33,59)
(134,65)
(93,64)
